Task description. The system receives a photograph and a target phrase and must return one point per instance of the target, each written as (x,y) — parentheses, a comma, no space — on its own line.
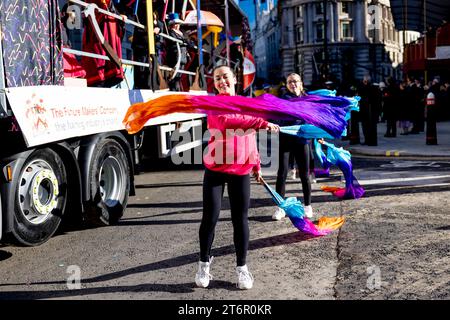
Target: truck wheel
(109,183)
(40,198)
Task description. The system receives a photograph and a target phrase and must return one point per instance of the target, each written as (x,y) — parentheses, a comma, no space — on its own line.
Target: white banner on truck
(53,113)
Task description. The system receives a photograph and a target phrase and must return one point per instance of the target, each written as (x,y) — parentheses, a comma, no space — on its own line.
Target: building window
(346,7)
(319,32)
(300,12)
(300,63)
(270,53)
(286,35)
(346,29)
(300,34)
(319,7)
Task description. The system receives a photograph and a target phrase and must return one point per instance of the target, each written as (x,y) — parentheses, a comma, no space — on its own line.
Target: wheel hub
(45,192)
(111,181)
(38,192)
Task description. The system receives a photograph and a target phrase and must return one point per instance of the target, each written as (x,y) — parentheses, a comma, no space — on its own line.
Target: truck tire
(109,183)
(40,198)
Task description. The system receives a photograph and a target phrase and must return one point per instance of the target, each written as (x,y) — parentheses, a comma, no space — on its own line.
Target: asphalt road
(393,245)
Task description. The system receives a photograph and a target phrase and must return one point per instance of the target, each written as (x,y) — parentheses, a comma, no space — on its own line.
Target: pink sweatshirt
(232,147)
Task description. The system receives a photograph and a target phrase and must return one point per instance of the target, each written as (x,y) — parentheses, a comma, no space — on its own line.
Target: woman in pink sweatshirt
(231,156)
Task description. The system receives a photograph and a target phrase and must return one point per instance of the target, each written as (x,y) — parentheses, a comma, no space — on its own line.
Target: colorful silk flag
(295,212)
(326,113)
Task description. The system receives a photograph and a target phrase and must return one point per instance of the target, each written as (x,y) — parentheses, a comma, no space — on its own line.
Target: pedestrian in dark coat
(390,104)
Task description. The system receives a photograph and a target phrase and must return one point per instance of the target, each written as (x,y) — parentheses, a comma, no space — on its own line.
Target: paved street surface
(393,245)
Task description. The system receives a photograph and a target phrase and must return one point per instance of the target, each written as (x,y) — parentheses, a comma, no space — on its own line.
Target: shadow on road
(5,255)
(199,210)
(444,228)
(191,258)
(168,185)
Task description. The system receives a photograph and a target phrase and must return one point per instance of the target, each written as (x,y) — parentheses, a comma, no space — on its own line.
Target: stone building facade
(359,39)
(267,44)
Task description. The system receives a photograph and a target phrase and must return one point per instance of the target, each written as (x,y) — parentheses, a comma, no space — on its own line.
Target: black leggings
(291,144)
(239,193)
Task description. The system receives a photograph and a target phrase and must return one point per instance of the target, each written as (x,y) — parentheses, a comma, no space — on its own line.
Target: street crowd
(405,106)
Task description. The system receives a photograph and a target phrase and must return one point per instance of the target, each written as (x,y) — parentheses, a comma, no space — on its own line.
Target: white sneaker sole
(245,287)
(201,285)
(277,218)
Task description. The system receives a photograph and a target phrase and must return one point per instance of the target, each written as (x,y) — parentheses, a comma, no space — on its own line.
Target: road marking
(406,187)
(410,164)
(381,181)
(394,153)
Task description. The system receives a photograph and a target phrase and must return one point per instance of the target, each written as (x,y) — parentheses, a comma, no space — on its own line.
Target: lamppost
(425,72)
(325,39)
(405,25)
(227,30)
(374,34)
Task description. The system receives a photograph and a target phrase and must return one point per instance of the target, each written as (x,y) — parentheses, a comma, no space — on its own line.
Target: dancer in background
(299,147)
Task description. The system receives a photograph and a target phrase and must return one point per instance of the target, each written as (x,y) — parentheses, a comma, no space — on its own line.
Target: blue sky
(248,6)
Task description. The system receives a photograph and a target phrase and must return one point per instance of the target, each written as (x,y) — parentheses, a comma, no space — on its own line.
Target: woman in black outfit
(299,147)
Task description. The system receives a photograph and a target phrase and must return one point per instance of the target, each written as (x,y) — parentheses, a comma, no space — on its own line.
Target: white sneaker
(279,214)
(245,278)
(308,212)
(202,277)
